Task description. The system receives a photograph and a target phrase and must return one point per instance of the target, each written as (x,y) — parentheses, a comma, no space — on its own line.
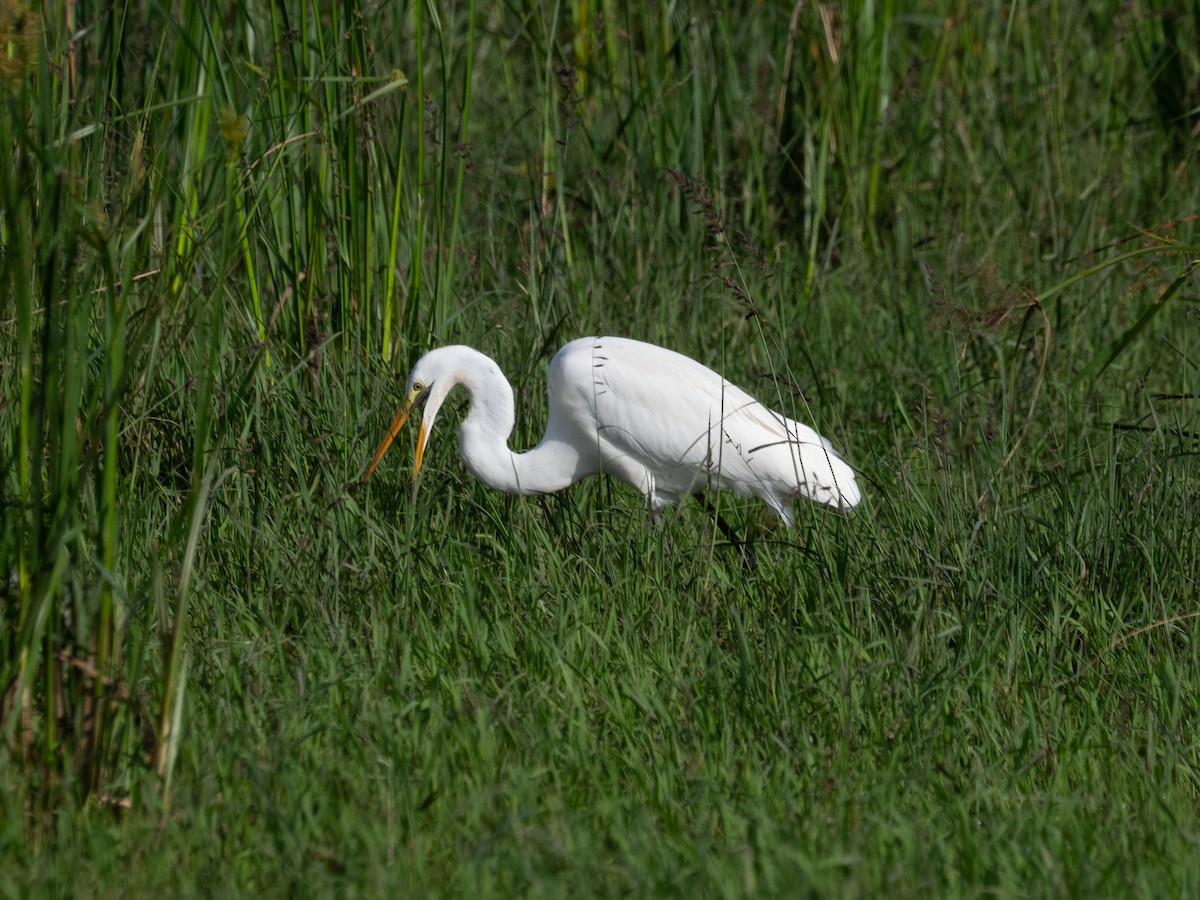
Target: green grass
(958,241)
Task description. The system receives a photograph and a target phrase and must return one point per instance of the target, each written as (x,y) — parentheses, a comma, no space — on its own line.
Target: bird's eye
(418,387)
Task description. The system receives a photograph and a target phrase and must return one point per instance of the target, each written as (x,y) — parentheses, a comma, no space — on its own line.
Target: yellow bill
(414,396)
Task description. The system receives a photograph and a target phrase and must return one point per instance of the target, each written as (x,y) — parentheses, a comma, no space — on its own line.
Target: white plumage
(653,418)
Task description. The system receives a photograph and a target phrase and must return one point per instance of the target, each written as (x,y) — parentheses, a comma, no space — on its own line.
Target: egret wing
(673,426)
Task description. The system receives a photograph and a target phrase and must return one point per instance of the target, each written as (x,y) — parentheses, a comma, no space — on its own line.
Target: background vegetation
(958,238)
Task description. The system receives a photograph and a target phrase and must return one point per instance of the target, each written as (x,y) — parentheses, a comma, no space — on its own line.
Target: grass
(958,240)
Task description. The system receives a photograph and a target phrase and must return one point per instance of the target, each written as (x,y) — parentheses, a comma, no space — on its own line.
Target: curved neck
(483,442)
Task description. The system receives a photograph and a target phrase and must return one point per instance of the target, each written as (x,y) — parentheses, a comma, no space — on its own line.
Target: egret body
(653,418)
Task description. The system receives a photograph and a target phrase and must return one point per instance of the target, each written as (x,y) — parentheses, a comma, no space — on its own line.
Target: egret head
(430,381)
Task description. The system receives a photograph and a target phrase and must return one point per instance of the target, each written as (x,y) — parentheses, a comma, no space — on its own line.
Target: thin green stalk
(313,193)
(468,75)
(285,68)
(205,462)
(1127,337)
(107,648)
(15,264)
(233,129)
(1159,247)
(390,312)
(244,239)
(170,725)
(198,117)
(816,178)
(417,238)
(880,97)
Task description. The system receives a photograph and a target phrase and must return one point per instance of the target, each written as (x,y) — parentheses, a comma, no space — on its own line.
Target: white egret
(653,418)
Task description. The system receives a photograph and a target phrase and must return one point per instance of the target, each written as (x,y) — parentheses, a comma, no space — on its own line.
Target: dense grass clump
(959,240)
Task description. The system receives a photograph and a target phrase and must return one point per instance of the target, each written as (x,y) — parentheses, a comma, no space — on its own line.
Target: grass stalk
(461,151)
(417,238)
(393,312)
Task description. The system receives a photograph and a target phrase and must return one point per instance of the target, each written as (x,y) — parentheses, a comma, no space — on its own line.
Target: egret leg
(654,518)
(745,548)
